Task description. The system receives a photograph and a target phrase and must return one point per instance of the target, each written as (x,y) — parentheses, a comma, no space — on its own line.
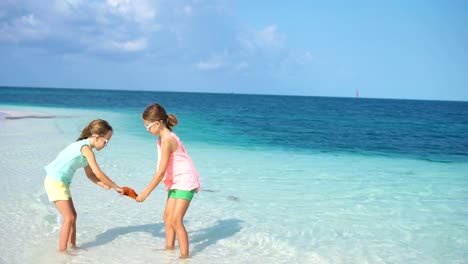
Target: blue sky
(386,49)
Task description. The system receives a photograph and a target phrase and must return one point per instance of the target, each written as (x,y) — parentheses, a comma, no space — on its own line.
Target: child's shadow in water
(201,238)
(113,233)
(211,235)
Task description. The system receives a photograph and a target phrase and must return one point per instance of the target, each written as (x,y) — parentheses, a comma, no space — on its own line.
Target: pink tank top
(181,173)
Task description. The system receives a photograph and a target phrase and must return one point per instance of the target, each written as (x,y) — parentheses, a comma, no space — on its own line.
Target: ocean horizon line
(227,93)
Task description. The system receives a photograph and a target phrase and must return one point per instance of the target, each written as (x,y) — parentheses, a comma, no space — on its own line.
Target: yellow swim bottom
(56,190)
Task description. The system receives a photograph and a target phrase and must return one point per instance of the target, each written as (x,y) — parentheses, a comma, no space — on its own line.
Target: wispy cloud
(213,63)
(267,38)
(142,12)
(124,24)
(185,34)
(208,65)
(24,28)
(130,46)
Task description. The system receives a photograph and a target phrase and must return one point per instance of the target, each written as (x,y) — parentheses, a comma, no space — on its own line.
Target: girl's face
(153,127)
(101,142)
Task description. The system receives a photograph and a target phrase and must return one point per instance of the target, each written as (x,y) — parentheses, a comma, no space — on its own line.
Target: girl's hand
(119,190)
(141,197)
(103,185)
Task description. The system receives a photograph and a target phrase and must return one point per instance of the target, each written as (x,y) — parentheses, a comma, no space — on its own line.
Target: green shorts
(181,194)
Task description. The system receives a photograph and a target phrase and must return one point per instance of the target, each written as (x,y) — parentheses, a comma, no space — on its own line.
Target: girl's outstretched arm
(168,146)
(93,178)
(96,170)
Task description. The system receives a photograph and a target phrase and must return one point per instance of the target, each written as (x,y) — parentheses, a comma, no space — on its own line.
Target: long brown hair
(156,112)
(96,127)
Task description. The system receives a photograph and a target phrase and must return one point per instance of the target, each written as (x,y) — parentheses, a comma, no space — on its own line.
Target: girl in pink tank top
(176,170)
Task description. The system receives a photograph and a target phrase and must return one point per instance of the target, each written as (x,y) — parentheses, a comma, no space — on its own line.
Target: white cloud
(130,46)
(213,63)
(139,11)
(267,38)
(175,32)
(224,60)
(66,7)
(80,26)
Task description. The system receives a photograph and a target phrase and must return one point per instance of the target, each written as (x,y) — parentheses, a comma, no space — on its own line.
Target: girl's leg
(180,208)
(170,232)
(68,213)
(72,238)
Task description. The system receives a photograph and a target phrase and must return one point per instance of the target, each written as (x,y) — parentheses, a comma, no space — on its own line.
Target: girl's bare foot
(68,253)
(74,247)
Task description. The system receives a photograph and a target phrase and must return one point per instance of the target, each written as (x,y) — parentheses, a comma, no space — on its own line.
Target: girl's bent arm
(96,170)
(93,178)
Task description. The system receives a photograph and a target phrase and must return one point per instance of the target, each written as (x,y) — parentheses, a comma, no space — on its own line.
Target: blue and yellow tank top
(67,162)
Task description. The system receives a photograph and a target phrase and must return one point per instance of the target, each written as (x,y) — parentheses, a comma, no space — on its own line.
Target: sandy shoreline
(14,114)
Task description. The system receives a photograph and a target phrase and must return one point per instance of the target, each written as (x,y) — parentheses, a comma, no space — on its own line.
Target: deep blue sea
(285,179)
(432,130)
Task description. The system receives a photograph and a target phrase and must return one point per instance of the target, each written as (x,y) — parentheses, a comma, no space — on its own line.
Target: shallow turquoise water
(262,199)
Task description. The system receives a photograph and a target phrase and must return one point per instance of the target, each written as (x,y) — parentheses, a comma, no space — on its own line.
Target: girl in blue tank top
(60,173)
